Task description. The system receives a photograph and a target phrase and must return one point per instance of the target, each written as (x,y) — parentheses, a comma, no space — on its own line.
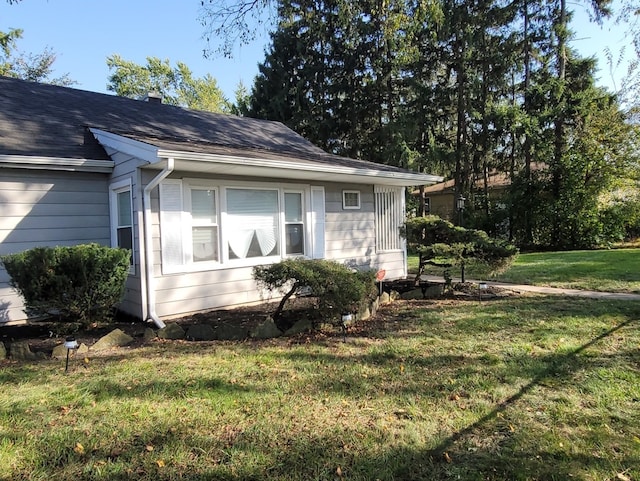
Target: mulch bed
(44,336)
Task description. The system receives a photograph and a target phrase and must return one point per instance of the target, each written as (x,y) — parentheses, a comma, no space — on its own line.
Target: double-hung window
(204,225)
(294,223)
(121,207)
(208,226)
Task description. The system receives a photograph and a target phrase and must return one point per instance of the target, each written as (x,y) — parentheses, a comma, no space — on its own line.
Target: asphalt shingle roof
(50,121)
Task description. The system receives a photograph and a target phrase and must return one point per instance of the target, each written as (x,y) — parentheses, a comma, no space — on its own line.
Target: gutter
(404,178)
(148,241)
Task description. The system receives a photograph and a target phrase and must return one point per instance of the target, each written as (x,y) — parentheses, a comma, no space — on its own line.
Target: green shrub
(438,242)
(77,284)
(338,289)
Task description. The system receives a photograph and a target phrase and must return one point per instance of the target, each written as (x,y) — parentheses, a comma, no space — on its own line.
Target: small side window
(351,199)
(122,217)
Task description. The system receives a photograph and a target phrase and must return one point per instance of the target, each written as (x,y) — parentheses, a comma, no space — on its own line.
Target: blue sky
(83,33)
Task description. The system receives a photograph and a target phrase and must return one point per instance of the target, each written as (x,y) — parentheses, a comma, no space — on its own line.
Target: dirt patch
(44,336)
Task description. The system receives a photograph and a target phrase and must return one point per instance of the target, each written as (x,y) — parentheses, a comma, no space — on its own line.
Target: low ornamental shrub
(337,288)
(75,284)
(438,242)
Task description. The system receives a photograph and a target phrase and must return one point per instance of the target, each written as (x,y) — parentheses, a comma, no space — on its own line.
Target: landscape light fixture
(70,343)
(460,205)
(482,286)
(346,319)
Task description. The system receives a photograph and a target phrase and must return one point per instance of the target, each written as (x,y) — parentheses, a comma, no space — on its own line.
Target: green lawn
(616,270)
(530,388)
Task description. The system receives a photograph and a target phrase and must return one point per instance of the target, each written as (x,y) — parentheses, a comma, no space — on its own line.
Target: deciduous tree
(177,84)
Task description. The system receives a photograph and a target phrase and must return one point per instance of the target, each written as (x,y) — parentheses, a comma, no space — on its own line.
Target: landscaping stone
(59,352)
(412,294)
(375,305)
(385,298)
(172,331)
(304,325)
(201,332)
(229,332)
(434,291)
(82,349)
(149,335)
(364,314)
(3,351)
(266,330)
(20,351)
(116,338)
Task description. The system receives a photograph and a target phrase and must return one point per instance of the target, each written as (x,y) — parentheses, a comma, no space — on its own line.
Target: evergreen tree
(462,88)
(28,66)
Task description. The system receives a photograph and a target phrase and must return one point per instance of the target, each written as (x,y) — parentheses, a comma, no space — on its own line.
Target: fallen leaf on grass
(160,463)
(447,458)
(623,477)
(79,448)
(149,448)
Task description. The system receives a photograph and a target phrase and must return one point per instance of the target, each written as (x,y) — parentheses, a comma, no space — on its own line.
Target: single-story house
(199,198)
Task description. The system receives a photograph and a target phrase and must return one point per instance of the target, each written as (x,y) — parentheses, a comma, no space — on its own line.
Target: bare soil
(44,336)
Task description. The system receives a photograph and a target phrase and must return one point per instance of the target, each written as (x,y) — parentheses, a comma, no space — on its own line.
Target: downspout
(148,241)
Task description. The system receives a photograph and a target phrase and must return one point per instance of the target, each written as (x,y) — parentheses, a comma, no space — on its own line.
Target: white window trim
(304,194)
(225,262)
(344,200)
(187,233)
(125,185)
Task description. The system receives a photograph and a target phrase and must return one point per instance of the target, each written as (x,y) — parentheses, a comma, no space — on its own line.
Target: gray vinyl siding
(205,290)
(43,208)
(350,235)
(126,169)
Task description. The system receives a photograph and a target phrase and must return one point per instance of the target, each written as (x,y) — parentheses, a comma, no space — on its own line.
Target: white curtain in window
(252,213)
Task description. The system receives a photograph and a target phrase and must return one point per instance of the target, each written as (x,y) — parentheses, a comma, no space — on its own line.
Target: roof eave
(291,169)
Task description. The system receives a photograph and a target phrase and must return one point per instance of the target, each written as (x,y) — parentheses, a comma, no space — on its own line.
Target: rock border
(21,351)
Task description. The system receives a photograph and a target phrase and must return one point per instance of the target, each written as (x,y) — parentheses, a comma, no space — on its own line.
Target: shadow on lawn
(475,452)
(462,454)
(561,366)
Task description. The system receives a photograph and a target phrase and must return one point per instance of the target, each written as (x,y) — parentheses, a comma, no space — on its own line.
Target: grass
(616,270)
(530,388)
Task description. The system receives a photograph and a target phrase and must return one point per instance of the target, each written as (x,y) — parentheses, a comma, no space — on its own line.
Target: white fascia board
(55,163)
(302,170)
(134,148)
